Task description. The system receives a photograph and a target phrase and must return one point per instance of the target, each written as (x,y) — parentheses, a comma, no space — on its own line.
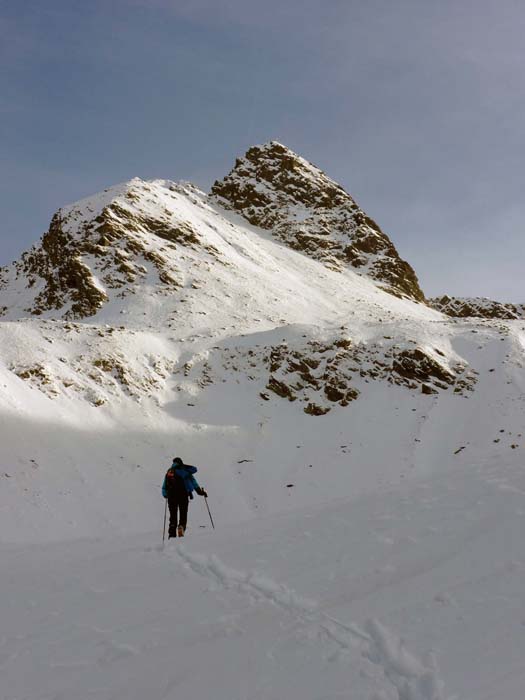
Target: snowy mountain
(151,236)
(368,441)
(158,256)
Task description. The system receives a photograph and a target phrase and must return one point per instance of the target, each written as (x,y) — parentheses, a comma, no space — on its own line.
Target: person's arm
(164,489)
(199,489)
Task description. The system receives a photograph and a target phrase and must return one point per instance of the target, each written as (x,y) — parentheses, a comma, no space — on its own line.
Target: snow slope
(412,592)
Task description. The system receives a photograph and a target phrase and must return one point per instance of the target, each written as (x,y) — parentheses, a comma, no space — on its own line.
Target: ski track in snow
(410,677)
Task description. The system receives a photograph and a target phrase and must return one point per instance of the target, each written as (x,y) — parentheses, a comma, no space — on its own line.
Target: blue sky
(416,107)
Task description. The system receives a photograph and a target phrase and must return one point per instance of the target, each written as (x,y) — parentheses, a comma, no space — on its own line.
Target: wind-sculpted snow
(274,188)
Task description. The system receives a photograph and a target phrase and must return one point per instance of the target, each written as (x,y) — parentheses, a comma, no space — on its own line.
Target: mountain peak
(278,167)
(274,188)
(157,235)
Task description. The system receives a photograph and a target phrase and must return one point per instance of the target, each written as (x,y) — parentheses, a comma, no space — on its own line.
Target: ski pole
(164,529)
(208,507)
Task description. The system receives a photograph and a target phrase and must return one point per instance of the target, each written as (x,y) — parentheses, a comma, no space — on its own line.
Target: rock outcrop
(477,307)
(321,375)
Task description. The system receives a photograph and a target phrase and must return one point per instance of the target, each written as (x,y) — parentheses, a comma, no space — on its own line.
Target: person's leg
(183,508)
(173,506)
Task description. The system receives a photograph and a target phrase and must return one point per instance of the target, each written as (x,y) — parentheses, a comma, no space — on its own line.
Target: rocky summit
(274,188)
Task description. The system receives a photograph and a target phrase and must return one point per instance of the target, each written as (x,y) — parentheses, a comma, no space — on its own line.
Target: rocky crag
(279,191)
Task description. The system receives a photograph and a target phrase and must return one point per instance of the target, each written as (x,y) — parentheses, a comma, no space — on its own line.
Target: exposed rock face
(66,279)
(477,307)
(276,189)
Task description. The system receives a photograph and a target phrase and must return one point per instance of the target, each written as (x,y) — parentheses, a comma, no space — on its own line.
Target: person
(178,487)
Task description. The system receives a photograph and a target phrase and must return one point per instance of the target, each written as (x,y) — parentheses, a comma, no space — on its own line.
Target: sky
(416,107)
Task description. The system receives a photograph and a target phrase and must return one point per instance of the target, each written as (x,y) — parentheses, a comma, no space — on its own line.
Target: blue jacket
(185,472)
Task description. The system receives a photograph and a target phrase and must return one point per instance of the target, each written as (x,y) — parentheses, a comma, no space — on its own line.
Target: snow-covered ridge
(149,237)
(108,247)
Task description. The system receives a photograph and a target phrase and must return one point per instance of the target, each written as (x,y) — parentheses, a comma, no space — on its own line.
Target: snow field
(414,593)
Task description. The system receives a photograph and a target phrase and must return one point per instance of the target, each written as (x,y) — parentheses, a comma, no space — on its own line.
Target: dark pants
(178,505)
